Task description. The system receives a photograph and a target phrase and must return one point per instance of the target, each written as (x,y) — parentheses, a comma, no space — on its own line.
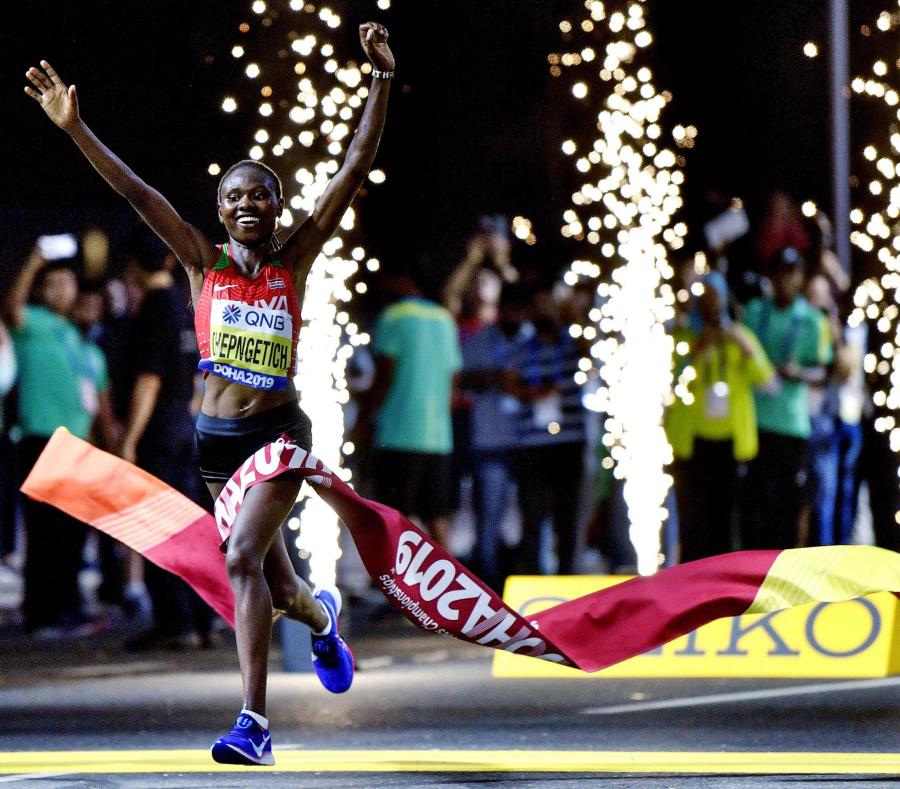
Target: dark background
(474,122)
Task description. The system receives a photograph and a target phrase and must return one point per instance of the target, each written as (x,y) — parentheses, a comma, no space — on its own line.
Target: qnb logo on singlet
(231,314)
(251,343)
(269,316)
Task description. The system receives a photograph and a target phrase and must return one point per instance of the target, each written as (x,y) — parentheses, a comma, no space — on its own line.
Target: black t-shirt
(114,340)
(163,343)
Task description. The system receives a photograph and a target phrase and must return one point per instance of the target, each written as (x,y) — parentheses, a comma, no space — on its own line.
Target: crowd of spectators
(766,432)
(112,361)
(468,413)
(766,425)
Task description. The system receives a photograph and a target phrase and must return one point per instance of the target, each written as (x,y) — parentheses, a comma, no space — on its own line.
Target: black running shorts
(224,444)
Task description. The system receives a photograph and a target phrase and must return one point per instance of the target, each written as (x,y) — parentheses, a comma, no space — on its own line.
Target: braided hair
(262,168)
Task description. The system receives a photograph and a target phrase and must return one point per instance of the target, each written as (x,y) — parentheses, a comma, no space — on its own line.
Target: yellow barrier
(858,638)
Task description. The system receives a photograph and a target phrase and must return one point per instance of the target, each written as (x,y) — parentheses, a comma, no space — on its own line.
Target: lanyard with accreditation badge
(715,396)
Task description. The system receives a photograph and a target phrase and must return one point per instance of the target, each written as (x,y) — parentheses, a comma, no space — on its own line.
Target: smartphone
(58,247)
(728,226)
(496,224)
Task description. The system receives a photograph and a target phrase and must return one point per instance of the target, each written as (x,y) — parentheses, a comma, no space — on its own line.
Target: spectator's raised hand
(59,101)
(475,247)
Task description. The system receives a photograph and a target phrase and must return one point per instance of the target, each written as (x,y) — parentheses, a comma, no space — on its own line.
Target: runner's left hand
(373,38)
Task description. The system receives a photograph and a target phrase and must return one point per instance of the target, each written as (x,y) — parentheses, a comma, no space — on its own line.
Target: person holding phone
(472,291)
(61,379)
(247,294)
(718,429)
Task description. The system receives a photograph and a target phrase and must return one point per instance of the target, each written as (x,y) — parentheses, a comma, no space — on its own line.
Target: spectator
(719,429)
(683,330)
(417,352)
(87,313)
(824,262)
(878,469)
(817,523)
(472,294)
(486,357)
(796,340)
(852,399)
(121,302)
(7,450)
(59,383)
(117,563)
(834,443)
(551,435)
(159,430)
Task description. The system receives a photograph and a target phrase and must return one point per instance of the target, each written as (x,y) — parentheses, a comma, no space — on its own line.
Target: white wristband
(378,74)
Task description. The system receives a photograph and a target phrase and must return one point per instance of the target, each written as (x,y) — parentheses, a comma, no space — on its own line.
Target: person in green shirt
(797,340)
(417,356)
(714,424)
(8,492)
(60,380)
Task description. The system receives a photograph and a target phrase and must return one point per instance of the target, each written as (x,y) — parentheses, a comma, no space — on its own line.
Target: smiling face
(249,206)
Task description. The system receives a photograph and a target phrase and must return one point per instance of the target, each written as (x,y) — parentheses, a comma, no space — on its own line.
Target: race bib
(251,344)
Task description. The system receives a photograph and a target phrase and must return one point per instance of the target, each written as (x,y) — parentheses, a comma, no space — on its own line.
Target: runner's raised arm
(60,102)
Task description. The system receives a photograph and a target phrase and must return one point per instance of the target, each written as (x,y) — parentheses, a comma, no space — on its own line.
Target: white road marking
(747,695)
(370,664)
(116,669)
(431,657)
(31,777)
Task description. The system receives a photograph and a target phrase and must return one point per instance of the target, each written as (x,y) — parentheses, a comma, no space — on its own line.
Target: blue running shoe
(331,657)
(247,743)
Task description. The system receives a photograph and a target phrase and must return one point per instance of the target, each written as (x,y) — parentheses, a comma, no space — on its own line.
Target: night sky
(473,126)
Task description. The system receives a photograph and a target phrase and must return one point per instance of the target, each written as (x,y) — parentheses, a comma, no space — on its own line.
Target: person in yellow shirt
(714,425)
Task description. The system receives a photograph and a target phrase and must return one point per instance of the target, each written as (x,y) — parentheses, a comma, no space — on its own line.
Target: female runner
(248,320)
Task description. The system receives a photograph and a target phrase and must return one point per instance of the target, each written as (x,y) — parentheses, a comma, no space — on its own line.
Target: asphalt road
(426,712)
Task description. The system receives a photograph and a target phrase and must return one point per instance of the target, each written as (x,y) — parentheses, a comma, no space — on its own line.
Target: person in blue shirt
(487,355)
(551,432)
